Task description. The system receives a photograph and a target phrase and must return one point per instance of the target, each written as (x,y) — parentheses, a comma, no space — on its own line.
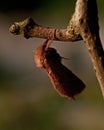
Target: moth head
(39,56)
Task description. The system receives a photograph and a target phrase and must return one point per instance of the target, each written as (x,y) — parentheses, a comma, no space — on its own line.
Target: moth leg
(45,42)
(50,42)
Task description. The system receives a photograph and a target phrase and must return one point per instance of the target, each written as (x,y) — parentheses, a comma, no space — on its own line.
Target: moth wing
(64,81)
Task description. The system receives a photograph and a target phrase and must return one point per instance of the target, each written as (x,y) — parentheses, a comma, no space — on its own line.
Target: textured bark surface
(89,31)
(28,28)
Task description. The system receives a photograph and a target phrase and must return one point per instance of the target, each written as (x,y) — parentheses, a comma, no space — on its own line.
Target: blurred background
(28,100)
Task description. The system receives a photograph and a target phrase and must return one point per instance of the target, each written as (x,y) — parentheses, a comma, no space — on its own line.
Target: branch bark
(83,25)
(28,28)
(86,19)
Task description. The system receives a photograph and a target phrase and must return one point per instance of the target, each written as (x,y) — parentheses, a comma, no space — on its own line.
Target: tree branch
(28,28)
(83,25)
(86,19)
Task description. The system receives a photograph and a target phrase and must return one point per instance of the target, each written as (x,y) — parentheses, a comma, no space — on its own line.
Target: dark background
(29,5)
(28,101)
(20,5)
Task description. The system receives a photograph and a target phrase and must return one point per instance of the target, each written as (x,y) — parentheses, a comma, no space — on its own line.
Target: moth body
(64,81)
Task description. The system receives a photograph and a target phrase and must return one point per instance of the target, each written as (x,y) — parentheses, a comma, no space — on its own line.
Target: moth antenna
(65,58)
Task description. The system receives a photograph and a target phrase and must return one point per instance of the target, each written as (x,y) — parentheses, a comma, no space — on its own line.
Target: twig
(83,25)
(28,28)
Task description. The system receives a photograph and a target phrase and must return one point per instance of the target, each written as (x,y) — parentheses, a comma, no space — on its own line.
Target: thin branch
(28,28)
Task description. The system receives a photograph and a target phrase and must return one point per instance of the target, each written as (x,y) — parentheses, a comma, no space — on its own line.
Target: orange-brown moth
(64,81)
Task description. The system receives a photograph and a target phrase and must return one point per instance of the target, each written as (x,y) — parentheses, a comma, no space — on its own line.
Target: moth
(64,81)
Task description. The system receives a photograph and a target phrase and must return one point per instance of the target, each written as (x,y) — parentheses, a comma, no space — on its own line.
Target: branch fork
(82,26)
